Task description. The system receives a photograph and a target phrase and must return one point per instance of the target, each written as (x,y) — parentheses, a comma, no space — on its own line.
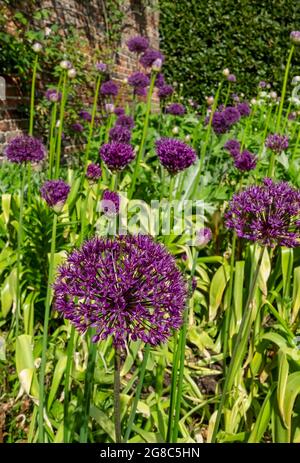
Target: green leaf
(282,382)
(57,376)
(217,287)
(104,422)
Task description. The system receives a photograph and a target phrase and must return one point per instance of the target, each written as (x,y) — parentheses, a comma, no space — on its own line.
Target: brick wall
(89,18)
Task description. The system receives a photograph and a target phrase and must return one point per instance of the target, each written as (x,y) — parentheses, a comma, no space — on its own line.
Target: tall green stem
(92,123)
(52,139)
(176,351)
(239,349)
(117,402)
(144,136)
(60,128)
(45,333)
(31,117)
(67,384)
(19,251)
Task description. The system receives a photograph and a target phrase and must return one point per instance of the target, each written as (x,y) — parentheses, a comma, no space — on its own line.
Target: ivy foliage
(250,37)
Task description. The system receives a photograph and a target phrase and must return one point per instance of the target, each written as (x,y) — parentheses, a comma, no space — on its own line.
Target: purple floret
(165,91)
(138,79)
(176,109)
(175,155)
(110,203)
(109,88)
(53,95)
(148,58)
(125,121)
(245,161)
(244,109)
(232,145)
(120,134)
(77,127)
(277,143)
(85,115)
(55,192)
(93,172)
(25,148)
(119,111)
(116,155)
(138,44)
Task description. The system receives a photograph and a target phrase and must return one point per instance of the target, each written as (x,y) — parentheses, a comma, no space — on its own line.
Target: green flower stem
(88,388)
(296,146)
(117,402)
(61,119)
(52,139)
(137,393)
(45,333)
(144,136)
(92,123)
(67,383)
(239,347)
(31,117)
(108,127)
(176,350)
(227,94)
(84,207)
(114,183)
(19,251)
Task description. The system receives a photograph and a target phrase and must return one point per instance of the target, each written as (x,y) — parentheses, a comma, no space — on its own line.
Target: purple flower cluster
(125,121)
(110,203)
(119,111)
(77,127)
(223,119)
(120,133)
(277,143)
(159,80)
(231,78)
(101,67)
(93,172)
(268,214)
(244,109)
(175,155)
(53,95)
(149,56)
(25,148)
(128,287)
(116,155)
(203,236)
(55,192)
(138,79)
(244,161)
(85,115)
(176,109)
(233,146)
(164,91)
(138,44)
(295,37)
(109,88)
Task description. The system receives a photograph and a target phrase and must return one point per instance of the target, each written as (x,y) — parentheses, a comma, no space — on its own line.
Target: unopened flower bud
(226,72)
(37,47)
(72,73)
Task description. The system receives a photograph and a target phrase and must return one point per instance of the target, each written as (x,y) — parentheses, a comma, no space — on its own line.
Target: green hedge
(250,37)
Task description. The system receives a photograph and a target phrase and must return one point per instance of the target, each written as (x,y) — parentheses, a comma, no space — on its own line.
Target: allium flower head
(93,172)
(219,122)
(244,161)
(65,64)
(159,80)
(232,145)
(165,91)
(110,203)
(175,155)
(25,148)
(125,121)
(72,73)
(55,193)
(128,287)
(140,91)
(120,134)
(109,108)
(244,109)
(203,237)
(77,127)
(148,58)
(85,115)
(109,88)
(295,37)
(268,214)
(138,44)
(119,111)
(231,78)
(157,64)
(37,47)
(232,115)
(176,109)
(116,155)
(138,79)
(101,67)
(53,95)
(277,143)
(262,84)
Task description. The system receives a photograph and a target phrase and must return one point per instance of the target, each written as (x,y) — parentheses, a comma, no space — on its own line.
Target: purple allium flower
(138,44)
(193,285)
(93,172)
(119,111)
(148,58)
(53,95)
(159,80)
(85,115)
(231,78)
(110,203)
(262,84)
(109,88)
(101,67)
(176,109)
(292,116)
(232,146)
(128,287)
(295,37)
(203,237)
(175,155)
(138,79)
(55,192)
(77,127)
(165,91)
(268,213)
(109,108)
(244,161)
(120,134)
(244,109)
(140,91)
(232,115)
(125,121)
(277,143)
(25,148)
(235,97)
(219,122)
(116,155)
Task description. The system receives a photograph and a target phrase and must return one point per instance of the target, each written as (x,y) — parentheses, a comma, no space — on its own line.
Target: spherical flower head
(232,115)
(150,56)
(101,67)
(85,115)
(219,122)
(175,155)
(244,109)
(175,130)
(262,84)
(292,116)
(267,214)
(138,44)
(231,78)
(116,155)
(128,287)
(125,121)
(120,134)
(295,37)
(273,95)
(140,91)
(25,148)
(109,108)
(159,80)
(138,79)
(93,172)
(53,95)
(232,145)
(176,109)
(119,111)
(210,100)
(245,161)
(37,47)
(157,65)
(235,97)
(109,88)
(72,73)
(65,64)
(77,127)
(110,203)
(165,91)
(277,143)
(226,72)
(55,193)
(203,237)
